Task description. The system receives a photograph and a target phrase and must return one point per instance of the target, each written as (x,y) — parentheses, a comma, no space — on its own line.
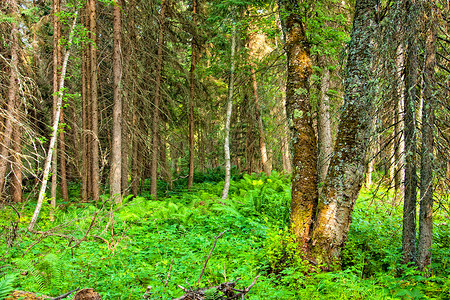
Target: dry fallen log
(22,295)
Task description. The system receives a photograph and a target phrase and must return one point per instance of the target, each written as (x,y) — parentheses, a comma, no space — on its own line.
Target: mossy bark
(298,110)
(347,167)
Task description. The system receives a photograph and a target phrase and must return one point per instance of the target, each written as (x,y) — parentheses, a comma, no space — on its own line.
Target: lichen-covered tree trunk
(304,145)
(348,164)
(426,165)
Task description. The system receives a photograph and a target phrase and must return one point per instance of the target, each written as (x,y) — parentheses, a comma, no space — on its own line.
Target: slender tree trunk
(427,155)
(226,186)
(348,164)
(262,140)
(156,108)
(325,140)
(56,78)
(12,98)
(191,98)
(16,180)
(116,149)
(62,142)
(304,145)
(51,146)
(410,196)
(94,101)
(399,128)
(285,136)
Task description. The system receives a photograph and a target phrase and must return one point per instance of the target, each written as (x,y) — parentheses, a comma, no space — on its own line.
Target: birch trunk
(51,146)
(226,186)
(325,140)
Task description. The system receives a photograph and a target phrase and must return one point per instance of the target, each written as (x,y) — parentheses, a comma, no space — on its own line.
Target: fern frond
(7,285)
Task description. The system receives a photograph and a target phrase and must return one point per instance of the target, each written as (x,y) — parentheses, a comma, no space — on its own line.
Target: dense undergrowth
(148,238)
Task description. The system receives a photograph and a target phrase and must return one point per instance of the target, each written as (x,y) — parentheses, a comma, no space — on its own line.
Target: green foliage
(150,237)
(6,285)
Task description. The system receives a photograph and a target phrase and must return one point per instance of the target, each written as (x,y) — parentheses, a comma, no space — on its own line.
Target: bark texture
(115,188)
(298,110)
(156,108)
(348,164)
(12,99)
(226,186)
(410,194)
(191,99)
(427,155)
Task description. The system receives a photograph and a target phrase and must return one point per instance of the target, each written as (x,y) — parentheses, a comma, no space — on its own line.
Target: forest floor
(158,245)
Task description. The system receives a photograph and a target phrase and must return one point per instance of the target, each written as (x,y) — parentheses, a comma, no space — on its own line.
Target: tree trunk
(262,140)
(427,155)
(95,180)
(348,164)
(51,146)
(16,180)
(324,124)
(399,128)
(191,99)
(226,186)
(56,79)
(410,196)
(115,189)
(12,98)
(156,108)
(298,110)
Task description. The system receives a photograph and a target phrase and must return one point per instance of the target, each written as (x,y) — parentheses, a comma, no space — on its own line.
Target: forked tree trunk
(226,186)
(191,99)
(156,108)
(410,196)
(348,164)
(427,161)
(115,188)
(298,109)
(51,146)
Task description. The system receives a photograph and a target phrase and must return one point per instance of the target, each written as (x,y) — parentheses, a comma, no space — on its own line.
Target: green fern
(7,285)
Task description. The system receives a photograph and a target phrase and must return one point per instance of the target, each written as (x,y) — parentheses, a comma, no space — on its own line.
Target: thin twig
(65,295)
(168,275)
(209,255)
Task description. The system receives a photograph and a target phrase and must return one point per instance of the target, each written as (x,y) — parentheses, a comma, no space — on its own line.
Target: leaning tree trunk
(426,169)
(55,126)
(298,109)
(348,164)
(226,186)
